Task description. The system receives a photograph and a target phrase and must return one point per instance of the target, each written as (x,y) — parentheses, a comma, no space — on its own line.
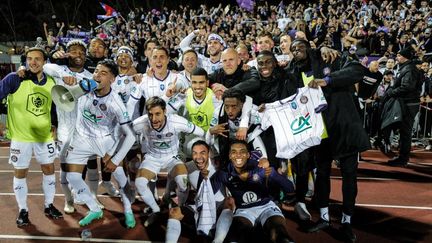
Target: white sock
(48,185)
(20,189)
(222,225)
(93,180)
(121,179)
(324,214)
(173,231)
(65,187)
(346,218)
(82,190)
(182,192)
(141,184)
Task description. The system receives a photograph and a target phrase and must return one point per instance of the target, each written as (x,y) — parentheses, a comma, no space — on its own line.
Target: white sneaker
(301,210)
(429,147)
(109,188)
(69,208)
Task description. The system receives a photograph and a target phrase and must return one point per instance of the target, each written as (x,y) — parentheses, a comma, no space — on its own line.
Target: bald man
(231,75)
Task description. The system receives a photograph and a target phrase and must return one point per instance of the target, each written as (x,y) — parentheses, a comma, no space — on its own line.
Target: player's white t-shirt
(99,115)
(164,142)
(66,120)
(123,86)
(296,120)
(151,86)
(208,65)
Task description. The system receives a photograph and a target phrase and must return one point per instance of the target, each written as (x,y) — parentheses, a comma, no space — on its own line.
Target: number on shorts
(51,148)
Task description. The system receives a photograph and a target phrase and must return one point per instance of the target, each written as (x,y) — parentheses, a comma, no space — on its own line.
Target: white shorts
(21,153)
(155,165)
(82,148)
(259,213)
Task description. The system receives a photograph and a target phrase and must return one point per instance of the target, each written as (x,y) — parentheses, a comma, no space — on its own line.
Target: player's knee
(20,173)
(48,169)
(182,182)
(141,184)
(73,177)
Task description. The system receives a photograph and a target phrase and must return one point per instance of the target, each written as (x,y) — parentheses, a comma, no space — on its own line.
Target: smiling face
(76,56)
(266,65)
(190,61)
(238,155)
(156,116)
(199,86)
(35,61)
(265,43)
(200,156)
(124,60)
(214,47)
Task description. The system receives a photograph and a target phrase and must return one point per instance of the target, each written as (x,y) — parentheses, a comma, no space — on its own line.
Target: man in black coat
(407,89)
(231,75)
(346,136)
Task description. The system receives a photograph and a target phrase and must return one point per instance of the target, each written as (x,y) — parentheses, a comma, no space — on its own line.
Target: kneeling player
(248,186)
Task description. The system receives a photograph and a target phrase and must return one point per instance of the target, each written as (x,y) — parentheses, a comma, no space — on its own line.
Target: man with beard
(29,124)
(200,170)
(215,46)
(98,50)
(346,136)
(73,72)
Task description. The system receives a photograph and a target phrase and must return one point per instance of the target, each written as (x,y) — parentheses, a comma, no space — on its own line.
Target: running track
(393,205)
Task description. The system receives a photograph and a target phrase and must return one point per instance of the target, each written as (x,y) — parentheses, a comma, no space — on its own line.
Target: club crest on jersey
(159,136)
(103,107)
(294,105)
(249,197)
(304,99)
(255,177)
(37,104)
(170,134)
(162,86)
(118,82)
(326,71)
(95,102)
(301,124)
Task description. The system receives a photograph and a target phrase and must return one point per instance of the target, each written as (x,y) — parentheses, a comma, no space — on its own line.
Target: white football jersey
(165,141)
(98,116)
(66,120)
(123,86)
(152,86)
(296,120)
(208,65)
(149,87)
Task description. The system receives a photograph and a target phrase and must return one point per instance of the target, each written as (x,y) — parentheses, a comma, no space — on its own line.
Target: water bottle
(86,235)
